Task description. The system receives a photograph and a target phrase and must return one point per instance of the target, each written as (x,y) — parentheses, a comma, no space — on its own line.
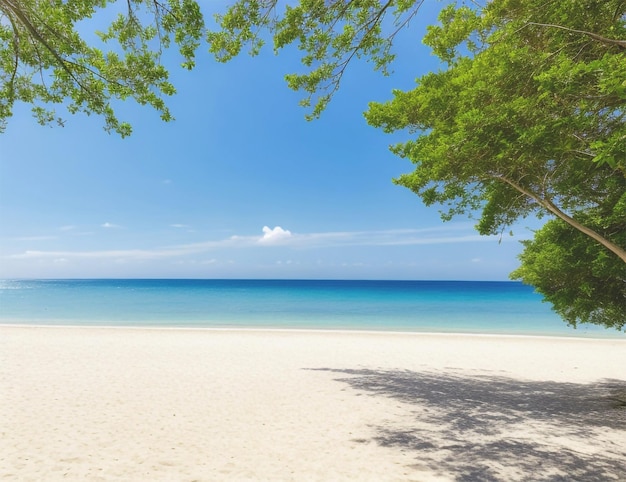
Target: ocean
(403,306)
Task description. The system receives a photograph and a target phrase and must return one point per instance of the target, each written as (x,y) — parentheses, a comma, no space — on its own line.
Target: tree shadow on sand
(479,428)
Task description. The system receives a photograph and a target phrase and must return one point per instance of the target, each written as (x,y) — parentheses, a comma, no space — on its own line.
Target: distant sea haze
(497,307)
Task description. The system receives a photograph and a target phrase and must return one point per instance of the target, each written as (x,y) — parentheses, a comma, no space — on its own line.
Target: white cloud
(274,236)
(180,226)
(67,228)
(110,226)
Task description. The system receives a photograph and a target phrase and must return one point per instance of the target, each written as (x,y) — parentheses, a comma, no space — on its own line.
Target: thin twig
(595,36)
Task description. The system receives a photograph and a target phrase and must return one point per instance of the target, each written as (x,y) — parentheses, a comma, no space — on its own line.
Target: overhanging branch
(595,36)
(15,9)
(554,209)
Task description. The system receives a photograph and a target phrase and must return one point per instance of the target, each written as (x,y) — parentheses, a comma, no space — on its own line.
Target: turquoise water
(434,306)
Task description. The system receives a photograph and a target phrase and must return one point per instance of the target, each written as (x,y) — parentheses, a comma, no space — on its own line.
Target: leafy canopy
(580,278)
(329,33)
(46,61)
(528,118)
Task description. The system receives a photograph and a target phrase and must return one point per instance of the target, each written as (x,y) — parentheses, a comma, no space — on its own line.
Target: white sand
(182,405)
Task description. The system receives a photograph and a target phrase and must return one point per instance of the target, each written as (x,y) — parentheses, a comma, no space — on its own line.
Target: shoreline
(97,403)
(616,336)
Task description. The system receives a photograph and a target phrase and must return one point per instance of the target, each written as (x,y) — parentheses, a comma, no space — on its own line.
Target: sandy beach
(189,405)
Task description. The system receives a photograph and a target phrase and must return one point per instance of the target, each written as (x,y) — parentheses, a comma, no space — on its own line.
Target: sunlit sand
(175,404)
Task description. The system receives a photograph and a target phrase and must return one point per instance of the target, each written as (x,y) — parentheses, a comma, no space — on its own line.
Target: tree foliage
(46,61)
(329,33)
(576,275)
(528,118)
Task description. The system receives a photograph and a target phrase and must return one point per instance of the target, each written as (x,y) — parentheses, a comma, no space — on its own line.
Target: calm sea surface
(434,306)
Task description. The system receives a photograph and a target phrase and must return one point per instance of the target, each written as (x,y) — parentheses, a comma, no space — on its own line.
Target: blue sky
(240,185)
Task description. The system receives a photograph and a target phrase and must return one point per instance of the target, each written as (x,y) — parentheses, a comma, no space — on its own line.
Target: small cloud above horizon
(273,236)
(108,225)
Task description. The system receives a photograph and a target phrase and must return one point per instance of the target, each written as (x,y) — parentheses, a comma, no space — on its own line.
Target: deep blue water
(436,306)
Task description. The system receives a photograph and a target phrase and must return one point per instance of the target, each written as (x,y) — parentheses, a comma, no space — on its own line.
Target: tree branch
(33,31)
(595,36)
(16,44)
(554,209)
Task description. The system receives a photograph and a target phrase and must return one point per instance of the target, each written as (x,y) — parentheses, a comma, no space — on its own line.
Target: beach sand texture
(189,405)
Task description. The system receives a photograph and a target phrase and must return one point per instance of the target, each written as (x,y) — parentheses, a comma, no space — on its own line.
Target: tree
(45,60)
(576,275)
(527,118)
